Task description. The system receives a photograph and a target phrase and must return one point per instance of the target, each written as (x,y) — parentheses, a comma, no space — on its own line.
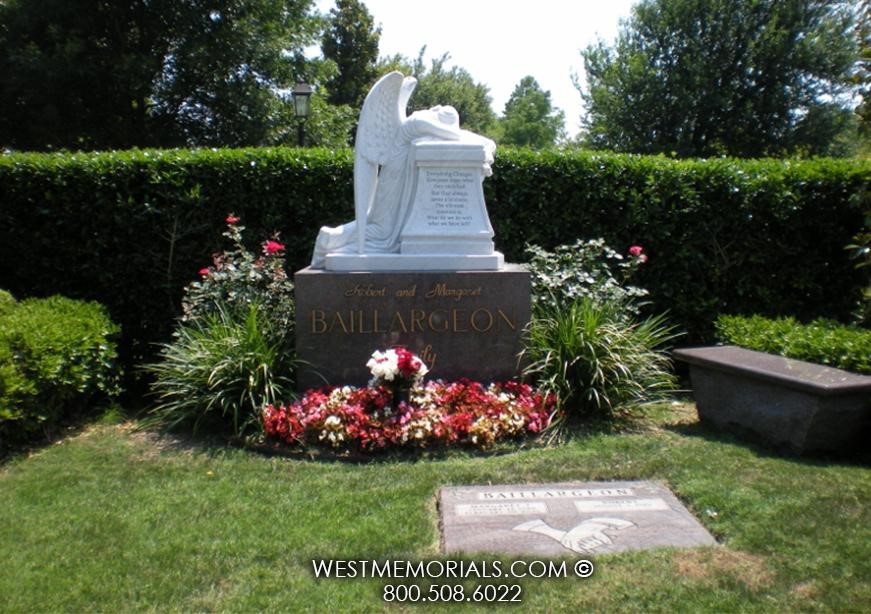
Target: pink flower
(205,272)
(232,219)
(270,247)
(636,250)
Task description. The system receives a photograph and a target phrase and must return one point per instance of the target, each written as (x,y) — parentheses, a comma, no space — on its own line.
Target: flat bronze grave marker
(565,519)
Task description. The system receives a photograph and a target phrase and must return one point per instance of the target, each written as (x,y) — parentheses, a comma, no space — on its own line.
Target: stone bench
(789,404)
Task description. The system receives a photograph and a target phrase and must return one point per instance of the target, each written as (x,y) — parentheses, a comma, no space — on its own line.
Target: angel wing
(380,119)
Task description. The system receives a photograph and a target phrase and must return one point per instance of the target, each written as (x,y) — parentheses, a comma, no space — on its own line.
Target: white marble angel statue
(384,168)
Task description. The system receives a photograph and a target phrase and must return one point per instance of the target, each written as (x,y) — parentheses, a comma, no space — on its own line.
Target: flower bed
(437,414)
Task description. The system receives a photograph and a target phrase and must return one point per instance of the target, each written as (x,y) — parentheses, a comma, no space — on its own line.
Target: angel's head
(447,115)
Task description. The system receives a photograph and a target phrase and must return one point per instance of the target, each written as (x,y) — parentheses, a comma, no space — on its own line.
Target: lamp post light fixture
(301,106)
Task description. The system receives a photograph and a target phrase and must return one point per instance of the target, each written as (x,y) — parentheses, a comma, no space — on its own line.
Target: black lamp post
(301,106)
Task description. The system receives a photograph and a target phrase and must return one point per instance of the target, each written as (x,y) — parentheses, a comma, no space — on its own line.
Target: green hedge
(56,356)
(821,341)
(130,229)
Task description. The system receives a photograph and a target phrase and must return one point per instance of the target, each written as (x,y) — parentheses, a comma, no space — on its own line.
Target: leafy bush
(595,360)
(821,341)
(755,236)
(220,371)
(57,356)
(584,269)
(7,302)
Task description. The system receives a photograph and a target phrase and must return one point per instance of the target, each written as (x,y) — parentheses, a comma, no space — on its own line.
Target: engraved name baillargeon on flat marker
(566,518)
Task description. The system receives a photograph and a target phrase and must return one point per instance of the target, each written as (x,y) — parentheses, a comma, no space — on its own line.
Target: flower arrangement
(397,369)
(396,366)
(436,414)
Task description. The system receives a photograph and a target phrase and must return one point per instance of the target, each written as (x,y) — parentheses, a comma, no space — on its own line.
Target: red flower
(636,250)
(270,247)
(205,272)
(407,362)
(232,219)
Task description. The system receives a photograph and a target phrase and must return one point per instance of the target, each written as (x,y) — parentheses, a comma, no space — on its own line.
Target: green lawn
(114,519)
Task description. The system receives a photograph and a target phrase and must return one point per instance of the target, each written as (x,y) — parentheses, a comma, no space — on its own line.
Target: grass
(115,519)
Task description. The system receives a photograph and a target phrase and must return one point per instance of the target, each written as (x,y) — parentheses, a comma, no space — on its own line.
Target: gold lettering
(366,291)
(504,316)
(375,323)
(474,323)
(319,322)
(438,318)
(428,357)
(417,317)
(455,293)
(397,318)
(364,321)
(360,319)
(407,292)
(337,318)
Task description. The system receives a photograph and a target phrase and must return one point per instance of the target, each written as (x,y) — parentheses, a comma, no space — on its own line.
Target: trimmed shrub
(57,357)
(822,341)
(749,236)
(7,302)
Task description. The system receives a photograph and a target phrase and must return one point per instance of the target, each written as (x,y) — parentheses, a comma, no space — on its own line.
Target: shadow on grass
(860,458)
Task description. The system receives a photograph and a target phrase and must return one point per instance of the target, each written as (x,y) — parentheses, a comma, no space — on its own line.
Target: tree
(77,73)
(438,85)
(225,65)
(529,119)
(710,77)
(91,74)
(862,72)
(351,41)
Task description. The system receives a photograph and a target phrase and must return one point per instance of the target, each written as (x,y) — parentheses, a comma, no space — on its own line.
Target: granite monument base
(462,324)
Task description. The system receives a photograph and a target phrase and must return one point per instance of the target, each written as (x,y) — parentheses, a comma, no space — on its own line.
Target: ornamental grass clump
(595,361)
(219,372)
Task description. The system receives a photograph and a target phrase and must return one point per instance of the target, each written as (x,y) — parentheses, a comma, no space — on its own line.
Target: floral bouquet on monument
(398,370)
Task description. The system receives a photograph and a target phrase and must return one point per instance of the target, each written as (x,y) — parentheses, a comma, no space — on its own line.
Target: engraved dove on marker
(584,538)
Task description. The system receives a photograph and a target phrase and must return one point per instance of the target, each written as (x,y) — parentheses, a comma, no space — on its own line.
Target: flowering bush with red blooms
(438,414)
(239,278)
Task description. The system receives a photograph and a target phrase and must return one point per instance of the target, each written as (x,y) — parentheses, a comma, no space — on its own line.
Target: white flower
(332,421)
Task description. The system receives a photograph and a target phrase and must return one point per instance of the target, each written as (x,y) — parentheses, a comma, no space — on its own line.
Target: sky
(501,41)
